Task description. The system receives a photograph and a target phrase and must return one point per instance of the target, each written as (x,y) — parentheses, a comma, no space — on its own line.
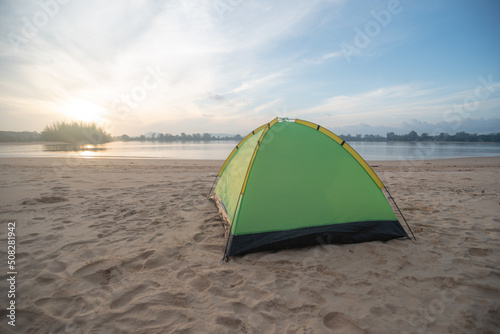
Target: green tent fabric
(293,184)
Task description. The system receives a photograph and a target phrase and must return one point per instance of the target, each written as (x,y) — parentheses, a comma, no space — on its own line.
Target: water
(124,150)
(370,151)
(423,150)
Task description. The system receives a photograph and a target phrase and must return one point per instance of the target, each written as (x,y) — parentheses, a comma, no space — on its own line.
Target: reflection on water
(73,148)
(85,151)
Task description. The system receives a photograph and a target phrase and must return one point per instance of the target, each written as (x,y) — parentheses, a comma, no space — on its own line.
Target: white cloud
(258,82)
(393,105)
(335,54)
(267,105)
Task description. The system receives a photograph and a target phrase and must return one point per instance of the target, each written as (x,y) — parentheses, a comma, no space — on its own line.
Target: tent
(292,184)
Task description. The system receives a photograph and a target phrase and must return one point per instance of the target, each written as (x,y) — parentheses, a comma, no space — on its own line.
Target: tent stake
(400,213)
(225,258)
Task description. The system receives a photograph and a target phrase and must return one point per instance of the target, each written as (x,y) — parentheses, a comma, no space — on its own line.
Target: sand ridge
(120,246)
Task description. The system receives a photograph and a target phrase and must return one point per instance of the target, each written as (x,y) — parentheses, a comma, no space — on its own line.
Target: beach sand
(134,246)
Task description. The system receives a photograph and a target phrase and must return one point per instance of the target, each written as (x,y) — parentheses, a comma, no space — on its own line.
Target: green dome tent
(293,184)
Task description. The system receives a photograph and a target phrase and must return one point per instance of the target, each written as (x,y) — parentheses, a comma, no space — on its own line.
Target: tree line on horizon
(167,137)
(425,137)
(90,133)
(74,133)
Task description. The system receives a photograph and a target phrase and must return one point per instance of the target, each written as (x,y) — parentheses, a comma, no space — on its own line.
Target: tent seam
(250,165)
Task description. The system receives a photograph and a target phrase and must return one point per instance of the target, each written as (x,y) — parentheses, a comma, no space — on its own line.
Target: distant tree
(441,137)
(14,136)
(75,132)
(391,136)
(413,136)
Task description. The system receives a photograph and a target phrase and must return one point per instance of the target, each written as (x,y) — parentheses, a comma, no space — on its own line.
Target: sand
(134,246)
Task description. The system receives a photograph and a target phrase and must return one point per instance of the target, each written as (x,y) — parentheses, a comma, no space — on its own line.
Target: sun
(84,111)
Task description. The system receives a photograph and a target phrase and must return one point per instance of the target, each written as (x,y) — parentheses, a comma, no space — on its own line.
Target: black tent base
(348,233)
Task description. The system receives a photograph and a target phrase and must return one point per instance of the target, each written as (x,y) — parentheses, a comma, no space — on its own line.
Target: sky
(228,66)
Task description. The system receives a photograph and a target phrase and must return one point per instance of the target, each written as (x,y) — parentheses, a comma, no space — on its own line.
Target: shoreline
(237,141)
(467,160)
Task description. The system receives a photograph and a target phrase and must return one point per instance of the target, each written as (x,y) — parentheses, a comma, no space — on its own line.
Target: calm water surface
(220,150)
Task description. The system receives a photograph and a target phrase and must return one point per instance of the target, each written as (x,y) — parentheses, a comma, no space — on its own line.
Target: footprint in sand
(300,330)
(99,272)
(229,322)
(339,321)
(72,246)
(156,236)
(311,296)
(200,283)
(51,199)
(137,263)
(228,279)
(188,206)
(186,273)
(46,279)
(127,297)
(64,308)
(30,238)
(56,267)
(214,218)
(199,237)
(479,251)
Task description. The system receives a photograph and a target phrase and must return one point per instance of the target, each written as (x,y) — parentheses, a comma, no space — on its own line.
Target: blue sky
(227,66)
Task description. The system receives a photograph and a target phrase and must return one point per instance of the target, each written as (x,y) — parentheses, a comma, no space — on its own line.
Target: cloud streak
(394,104)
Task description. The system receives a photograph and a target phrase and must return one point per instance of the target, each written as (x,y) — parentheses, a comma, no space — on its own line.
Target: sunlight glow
(80,110)
(89,151)
(87,154)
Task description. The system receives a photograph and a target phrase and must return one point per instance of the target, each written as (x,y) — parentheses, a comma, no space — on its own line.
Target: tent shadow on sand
(294,184)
